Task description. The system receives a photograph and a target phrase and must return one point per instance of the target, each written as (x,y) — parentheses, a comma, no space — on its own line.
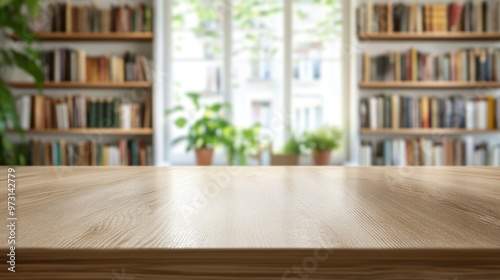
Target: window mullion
(228,52)
(162,90)
(287,62)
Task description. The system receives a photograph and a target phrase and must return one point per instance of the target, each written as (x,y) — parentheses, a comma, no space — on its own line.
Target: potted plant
(290,153)
(15,17)
(241,143)
(322,142)
(205,131)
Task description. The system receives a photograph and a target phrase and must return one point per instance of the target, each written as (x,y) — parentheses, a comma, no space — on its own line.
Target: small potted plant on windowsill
(322,142)
(206,128)
(290,154)
(241,143)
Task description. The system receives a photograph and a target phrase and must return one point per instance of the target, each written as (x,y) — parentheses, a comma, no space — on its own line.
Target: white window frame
(163,80)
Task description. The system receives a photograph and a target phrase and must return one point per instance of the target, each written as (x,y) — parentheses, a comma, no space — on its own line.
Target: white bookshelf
(96,44)
(430,44)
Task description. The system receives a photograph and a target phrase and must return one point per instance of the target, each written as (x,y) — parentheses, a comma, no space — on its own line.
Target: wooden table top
(255,208)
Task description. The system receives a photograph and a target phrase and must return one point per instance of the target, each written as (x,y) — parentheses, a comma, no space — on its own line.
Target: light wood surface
(146,85)
(256,223)
(93,131)
(426,131)
(429,85)
(84,36)
(439,36)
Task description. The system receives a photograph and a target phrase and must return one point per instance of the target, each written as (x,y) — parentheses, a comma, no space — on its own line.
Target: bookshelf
(90,85)
(429,36)
(87,36)
(60,129)
(431,30)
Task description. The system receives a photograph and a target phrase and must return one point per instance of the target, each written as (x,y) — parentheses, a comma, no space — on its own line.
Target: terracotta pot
(322,157)
(204,157)
(284,160)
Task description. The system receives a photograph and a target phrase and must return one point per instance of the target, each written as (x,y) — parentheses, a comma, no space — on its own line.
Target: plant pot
(322,157)
(204,157)
(284,160)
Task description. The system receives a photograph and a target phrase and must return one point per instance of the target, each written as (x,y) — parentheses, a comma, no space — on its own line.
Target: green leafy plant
(206,129)
(241,143)
(293,145)
(323,139)
(15,16)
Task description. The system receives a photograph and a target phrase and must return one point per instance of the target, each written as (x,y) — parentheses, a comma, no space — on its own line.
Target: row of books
(66,17)
(87,153)
(396,111)
(413,152)
(63,64)
(426,152)
(483,155)
(463,65)
(79,111)
(387,17)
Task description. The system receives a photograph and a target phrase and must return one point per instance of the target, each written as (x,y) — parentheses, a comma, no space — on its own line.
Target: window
(250,39)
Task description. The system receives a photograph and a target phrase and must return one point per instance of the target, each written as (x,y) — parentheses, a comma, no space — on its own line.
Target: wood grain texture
(248,223)
(431,36)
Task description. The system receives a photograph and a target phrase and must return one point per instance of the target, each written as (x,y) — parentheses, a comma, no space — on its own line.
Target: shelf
(93,131)
(112,85)
(428,85)
(425,131)
(112,36)
(440,36)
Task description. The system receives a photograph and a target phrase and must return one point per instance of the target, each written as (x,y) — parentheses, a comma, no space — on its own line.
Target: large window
(243,52)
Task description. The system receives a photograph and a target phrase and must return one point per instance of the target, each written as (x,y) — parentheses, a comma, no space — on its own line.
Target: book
(108,113)
(470,114)
(380,111)
(495,156)
(479,17)
(425,112)
(366,154)
(482,114)
(491,112)
(395,111)
(148,112)
(100,119)
(62,116)
(497,112)
(24,110)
